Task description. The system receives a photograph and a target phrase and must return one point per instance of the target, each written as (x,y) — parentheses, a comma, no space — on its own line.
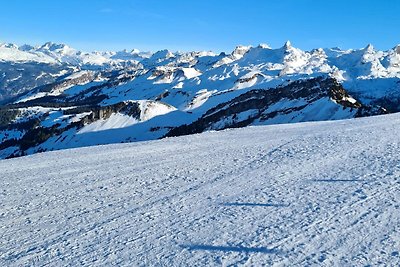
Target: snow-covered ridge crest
(354,63)
(61,53)
(53,53)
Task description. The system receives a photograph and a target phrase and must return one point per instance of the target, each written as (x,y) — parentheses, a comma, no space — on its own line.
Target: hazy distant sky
(217,25)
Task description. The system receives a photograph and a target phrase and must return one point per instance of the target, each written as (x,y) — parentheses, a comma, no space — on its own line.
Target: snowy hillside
(308,194)
(83,99)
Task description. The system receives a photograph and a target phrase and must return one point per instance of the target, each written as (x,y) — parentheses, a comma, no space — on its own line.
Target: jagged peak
(53,46)
(162,54)
(168,53)
(369,48)
(135,51)
(397,49)
(264,46)
(336,48)
(9,45)
(242,47)
(287,45)
(319,51)
(240,50)
(26,47)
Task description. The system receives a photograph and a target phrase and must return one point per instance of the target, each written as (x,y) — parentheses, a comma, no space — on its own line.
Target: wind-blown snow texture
(321,193)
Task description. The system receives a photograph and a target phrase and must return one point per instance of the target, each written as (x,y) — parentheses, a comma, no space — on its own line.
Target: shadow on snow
(255,204)
(337,180)
(231,249)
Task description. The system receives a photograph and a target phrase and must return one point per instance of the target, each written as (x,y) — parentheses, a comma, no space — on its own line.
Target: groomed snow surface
(323,194)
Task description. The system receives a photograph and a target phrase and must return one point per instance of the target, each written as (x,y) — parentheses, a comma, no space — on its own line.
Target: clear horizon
(216,26)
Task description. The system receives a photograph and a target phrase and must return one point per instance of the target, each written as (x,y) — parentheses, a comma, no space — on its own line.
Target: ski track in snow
(320,193)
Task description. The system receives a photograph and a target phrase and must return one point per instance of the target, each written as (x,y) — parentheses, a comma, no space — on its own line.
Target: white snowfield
(308,194)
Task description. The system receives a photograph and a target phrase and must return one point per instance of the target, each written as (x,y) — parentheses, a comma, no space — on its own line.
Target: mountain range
(55,97)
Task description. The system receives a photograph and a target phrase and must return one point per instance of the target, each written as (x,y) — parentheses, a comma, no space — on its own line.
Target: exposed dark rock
(84,78)
(7,116)
(391,104)
(244,80)
(21,77)
(259,100)
(35,134)
(163,95)
(241,111)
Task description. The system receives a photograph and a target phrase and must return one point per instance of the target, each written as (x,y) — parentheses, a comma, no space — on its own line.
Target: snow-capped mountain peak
(54,47)
(135,51)
(264,46)
(287,45)
(397,49)
(240,50)
(162,54)
(26,47)
(369,48)
(8,45)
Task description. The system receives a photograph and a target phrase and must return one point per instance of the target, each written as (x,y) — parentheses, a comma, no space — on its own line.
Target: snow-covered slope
(308,194)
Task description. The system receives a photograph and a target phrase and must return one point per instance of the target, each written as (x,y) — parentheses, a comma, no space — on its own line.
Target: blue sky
(217,25)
